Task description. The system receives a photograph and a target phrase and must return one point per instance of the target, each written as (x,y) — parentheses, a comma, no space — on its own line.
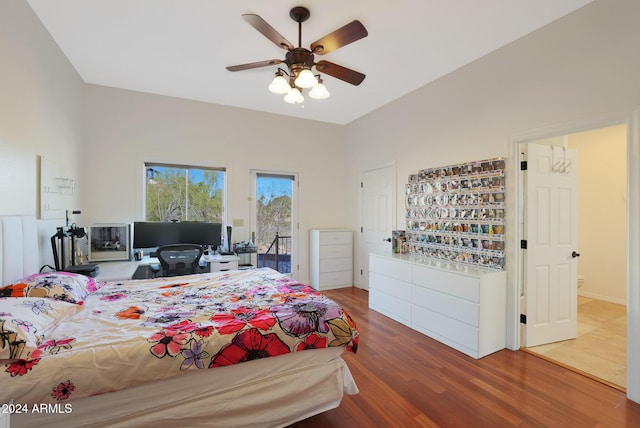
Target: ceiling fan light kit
(306,79)
(319,92)
(300,61)
(294,96)
(279,85)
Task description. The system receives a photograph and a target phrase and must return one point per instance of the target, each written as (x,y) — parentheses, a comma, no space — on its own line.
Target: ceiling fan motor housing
(298,59)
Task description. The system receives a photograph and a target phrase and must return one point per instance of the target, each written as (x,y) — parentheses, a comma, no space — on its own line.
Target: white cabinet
(331,258)
(460,306)
(222,263)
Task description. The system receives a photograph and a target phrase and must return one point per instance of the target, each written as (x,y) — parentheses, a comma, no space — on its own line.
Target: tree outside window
(181,193)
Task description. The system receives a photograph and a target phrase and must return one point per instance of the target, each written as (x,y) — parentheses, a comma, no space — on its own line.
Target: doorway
(275,220)
(601,344)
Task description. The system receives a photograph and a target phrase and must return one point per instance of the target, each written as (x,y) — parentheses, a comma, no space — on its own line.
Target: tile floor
(601,346)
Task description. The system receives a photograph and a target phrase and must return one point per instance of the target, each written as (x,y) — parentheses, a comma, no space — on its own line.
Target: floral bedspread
(138,331)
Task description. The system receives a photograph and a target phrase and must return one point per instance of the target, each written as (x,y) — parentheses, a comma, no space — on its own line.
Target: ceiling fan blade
(254,65)
(267,30)
(340,72)
(342,36)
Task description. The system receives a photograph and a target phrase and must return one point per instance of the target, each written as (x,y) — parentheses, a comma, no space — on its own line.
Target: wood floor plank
(407,379)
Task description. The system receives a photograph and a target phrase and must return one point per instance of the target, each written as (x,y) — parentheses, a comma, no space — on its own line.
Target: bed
(241,348)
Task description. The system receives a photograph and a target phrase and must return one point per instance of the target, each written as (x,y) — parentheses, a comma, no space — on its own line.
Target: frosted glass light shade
(306,79)
(279,85)
(319,92)
(294,96)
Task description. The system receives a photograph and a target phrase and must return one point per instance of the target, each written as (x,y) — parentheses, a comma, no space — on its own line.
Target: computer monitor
(203,233)
(150,234)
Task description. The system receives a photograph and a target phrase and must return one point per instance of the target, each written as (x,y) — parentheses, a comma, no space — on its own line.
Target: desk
(124,270)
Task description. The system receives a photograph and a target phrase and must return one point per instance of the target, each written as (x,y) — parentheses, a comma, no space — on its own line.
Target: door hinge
(361,185)
(361,272)
(523,244)
(361,229)
(523,319)
(523,166)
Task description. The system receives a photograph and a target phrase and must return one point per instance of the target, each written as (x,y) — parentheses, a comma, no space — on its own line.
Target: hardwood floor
(407,379)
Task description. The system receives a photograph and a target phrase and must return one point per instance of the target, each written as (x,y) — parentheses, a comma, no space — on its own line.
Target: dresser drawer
(335,265)
(335,251)
(465,287)
(334,279)
(223,265)
(391,286)
(335,238)
(390,268)
(447,328)
(453,307)
(391,306)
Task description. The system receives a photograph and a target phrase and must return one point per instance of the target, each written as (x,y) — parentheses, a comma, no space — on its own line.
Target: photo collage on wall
(457,213)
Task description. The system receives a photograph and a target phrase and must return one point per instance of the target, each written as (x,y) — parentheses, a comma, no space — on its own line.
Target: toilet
(580,281)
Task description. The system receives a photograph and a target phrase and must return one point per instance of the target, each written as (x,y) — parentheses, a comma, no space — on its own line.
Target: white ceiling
(180,48)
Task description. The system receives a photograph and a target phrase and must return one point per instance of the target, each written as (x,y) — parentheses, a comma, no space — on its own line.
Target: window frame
(219,168)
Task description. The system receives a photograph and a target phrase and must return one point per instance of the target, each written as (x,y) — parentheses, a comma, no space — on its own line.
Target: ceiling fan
(300,61)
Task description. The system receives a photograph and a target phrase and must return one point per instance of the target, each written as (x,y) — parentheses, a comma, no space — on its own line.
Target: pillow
(24,323)
(70,287)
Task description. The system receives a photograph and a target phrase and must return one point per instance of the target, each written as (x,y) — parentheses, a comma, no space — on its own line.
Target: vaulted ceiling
(182,48)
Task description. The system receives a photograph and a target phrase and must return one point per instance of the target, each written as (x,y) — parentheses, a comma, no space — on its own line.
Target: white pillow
(24,322)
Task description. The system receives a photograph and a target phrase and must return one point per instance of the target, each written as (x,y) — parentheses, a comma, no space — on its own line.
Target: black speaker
(229,244)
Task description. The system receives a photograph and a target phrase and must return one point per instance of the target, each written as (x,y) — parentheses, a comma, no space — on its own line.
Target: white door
(551,232)
(377,190)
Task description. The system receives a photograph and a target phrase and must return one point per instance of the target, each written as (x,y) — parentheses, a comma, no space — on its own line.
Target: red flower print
(14,290)
(227,323)
(55,346)
(171,293)
(249,345)
(113,297)
(204,331)
(167,342)
(238,318)
(313,341)
(21,367)
(185,326)
(63,390)
(182,284)
(132,313)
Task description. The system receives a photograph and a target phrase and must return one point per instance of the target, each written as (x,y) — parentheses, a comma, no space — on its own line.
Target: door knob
(574,254)
(388,239)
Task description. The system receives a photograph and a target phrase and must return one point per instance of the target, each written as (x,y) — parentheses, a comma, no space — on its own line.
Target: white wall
(123,129)
(581,66)
(602,208)
(40,114)
(558,74)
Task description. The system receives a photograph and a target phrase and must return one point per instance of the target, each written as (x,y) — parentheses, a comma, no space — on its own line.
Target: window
(181,193)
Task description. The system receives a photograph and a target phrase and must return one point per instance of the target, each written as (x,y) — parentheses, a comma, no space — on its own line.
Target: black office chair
(179,259)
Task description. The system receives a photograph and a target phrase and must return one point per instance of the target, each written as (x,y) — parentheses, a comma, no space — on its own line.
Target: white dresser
(218,263)
(331,258)
(461,306)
